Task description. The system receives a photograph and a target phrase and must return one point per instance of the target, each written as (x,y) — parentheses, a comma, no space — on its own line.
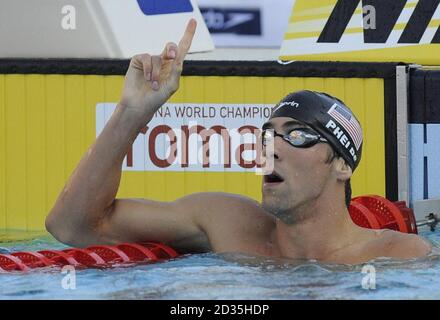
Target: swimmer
(303,215)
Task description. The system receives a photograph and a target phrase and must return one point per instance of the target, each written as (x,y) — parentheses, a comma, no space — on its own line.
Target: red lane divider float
(362,216)
(93,256)
(33,259)
(110,254)
(60,258)
(376,212)
(11,263)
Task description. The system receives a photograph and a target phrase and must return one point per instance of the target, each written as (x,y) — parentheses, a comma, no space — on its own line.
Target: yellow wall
(48,121)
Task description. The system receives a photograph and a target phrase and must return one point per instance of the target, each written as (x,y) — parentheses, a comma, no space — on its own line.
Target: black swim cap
(328,116)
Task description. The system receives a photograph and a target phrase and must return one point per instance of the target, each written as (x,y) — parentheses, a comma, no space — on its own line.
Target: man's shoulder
(400,245)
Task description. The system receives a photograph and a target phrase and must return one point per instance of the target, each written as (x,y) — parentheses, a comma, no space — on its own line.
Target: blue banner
(154,7)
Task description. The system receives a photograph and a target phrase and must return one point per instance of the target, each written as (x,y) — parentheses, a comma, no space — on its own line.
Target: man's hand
(151,80)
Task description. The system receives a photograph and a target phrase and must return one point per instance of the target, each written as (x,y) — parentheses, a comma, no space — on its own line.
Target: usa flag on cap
(348,122)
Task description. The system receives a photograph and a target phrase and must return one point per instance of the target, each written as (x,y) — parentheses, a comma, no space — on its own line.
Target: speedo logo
(288,103)
(381,17)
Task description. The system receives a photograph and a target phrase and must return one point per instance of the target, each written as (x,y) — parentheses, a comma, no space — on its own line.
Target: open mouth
(273,178)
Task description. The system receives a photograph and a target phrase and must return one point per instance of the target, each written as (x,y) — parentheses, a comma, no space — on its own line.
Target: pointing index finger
(185,42)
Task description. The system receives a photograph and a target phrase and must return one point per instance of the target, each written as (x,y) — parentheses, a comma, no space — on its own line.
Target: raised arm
(86,210)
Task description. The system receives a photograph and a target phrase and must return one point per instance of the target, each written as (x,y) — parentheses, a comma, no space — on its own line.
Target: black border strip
(390,106)
(424,98)
(386,71)
(206,68)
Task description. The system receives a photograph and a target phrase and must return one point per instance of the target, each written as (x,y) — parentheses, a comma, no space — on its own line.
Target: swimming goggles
(298,137)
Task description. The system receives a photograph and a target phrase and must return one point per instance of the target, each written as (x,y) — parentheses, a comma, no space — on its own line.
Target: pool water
(224,276)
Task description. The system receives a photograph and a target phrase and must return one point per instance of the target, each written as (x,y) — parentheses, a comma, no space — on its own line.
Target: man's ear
(342,171)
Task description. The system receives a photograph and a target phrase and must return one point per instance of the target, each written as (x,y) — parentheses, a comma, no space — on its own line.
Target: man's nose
(271,150)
